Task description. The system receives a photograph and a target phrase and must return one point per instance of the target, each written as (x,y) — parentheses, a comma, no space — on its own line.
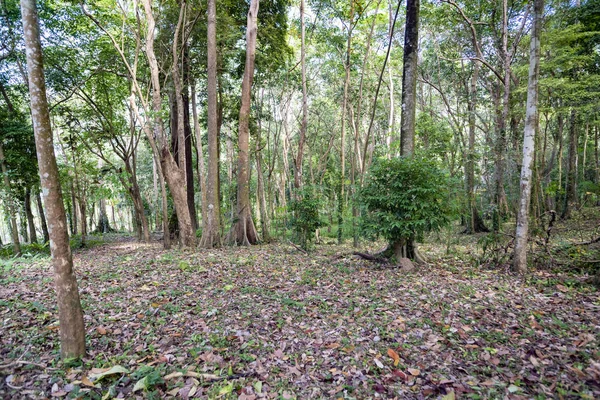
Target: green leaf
(141,384)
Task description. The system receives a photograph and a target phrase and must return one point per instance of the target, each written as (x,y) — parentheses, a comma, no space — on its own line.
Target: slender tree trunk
(596,158)
(74,219)
(342,183)
(72,330)
(29,215)
(40,207)
(243,232)
(571,172)
(262,202)
(14,231)
(211,236)
(187,130)
(302,138)
(200,158)
(531,126)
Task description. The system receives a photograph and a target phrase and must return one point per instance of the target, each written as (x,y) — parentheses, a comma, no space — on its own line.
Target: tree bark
(174,175)
(187,131)
(571,172)
(211,236)
(72,330)
(29,215)
(40,207)
(409,79)
(200,158)
(531,126)
(302,138)
(342,183)
(243,232)
(14,231)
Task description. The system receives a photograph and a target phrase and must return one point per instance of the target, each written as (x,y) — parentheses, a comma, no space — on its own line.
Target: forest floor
(272,322)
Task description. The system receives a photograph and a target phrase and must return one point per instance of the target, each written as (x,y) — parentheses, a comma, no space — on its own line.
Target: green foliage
(405,197)
(305,219)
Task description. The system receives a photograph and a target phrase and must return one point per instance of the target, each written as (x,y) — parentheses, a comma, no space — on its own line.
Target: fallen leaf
(378,363)
(414,371)
(394,356)
(117,369)
(101,330)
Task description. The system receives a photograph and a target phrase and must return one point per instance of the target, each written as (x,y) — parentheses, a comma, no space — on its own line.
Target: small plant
(305,219)
(404,198)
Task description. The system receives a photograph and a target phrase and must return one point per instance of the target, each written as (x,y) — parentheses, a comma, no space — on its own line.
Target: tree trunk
(243,232)
(200,158)
(409,79)
(40,207)
(173,174)
(187,130)
(409,105)
(72,330)
(571,172)
(14,231)
(262,202)
(211,236)
(342,183)
(531,126)
(302,138)
(103,223)
(29,214)
(74,219)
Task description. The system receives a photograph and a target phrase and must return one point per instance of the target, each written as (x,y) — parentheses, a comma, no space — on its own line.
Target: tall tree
(531,125)
(243,232)
(72,330)
(211,236)
(14,232)
(409,79)
(304,123)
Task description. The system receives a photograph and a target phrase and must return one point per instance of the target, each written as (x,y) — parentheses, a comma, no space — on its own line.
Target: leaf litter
(269,322)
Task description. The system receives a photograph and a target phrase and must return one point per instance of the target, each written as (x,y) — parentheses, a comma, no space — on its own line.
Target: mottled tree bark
(243,232)
(409,79)
(531,126)
(72,330)
(211,232)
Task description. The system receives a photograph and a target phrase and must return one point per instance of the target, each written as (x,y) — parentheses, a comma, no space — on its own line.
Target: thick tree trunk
(40,207)
(14,231)
(409,107)
(72,330)
(173,174)
(243,232)
(409,79)
(211,232)
(29,215)
(531,126)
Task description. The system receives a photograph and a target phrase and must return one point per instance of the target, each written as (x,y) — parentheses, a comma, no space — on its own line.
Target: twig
(380,260)
(19,362)
(297,247)
(596,240)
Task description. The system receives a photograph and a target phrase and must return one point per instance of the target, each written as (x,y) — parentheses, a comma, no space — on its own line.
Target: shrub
(305,218)
(404,198)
